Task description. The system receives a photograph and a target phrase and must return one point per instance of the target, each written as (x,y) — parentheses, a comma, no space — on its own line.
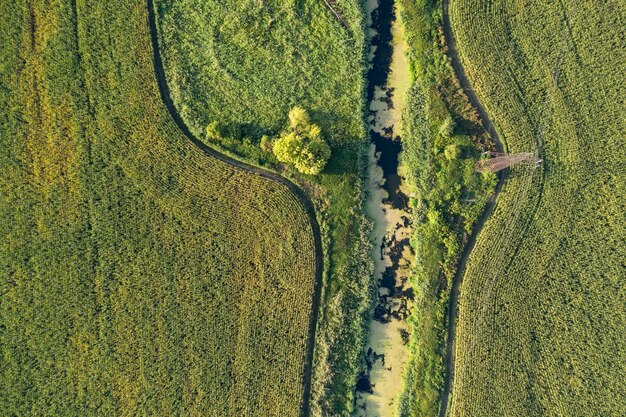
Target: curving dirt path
(458,277)
(297,191)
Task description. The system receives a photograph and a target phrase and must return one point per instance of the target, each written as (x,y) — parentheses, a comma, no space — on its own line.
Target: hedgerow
(541,316)
(138,275)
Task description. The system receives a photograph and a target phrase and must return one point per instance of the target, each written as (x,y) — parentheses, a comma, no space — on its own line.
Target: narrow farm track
(297,191)
(458,277)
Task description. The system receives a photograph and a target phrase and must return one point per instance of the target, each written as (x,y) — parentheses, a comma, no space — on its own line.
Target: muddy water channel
(386,353)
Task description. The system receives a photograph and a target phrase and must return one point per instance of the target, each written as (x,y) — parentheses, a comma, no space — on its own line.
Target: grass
(244,65)
(139,275)
(442,140)
(247,63)
(541,324)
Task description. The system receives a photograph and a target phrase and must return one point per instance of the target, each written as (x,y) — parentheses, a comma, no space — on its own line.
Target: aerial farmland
(312,208)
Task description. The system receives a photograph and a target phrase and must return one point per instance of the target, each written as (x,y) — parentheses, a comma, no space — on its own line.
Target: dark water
(382,20)
(387,144)
(392,301)
(389,148)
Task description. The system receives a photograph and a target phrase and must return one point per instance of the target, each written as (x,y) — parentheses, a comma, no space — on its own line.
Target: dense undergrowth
(442,139)
(138,275)
(542,318)
(240,67)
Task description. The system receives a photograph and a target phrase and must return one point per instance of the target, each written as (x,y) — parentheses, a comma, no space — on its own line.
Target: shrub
(452,152)
(214,131)
(447,127)
(266,143)
(299,118)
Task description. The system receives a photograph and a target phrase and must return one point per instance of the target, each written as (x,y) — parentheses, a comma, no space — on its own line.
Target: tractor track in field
(458,277)
(297,191)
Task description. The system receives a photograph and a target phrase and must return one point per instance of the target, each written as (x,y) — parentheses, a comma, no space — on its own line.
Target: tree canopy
(302,145)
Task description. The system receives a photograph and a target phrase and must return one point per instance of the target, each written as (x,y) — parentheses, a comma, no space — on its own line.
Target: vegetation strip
(165,96)
(458,277)
(443,139)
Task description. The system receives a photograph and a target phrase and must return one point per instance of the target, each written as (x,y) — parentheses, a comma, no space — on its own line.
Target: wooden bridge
(499,161)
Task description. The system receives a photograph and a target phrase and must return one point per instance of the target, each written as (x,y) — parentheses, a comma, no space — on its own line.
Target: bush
(452,152)
(299,118)
(266,143)
(447,127)
(214,131)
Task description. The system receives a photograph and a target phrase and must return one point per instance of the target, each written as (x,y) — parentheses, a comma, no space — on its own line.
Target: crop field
(243,65)
(541,315)
(138,275)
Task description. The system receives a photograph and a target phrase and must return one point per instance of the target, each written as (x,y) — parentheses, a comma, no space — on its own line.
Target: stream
(386,352)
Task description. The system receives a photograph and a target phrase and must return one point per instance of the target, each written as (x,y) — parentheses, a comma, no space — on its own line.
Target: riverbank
(443,138)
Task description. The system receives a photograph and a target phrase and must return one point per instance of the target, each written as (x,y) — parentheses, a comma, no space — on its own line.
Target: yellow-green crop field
(138,275)
(542,314)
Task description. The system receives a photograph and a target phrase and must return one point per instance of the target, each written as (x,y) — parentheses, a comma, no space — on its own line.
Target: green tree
(288,147)
(302,146)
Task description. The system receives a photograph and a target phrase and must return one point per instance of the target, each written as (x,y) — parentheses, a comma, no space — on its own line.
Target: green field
(542,317)
(141,273)
(243,65)
(139,276)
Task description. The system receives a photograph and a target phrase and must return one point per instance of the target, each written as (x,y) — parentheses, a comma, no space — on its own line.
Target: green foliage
(214,131)
(541,312)
(452,152)
(299,119)
(302,147)
(288,147)
(138,275)
(266,143)
(439,157)
(447,127)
